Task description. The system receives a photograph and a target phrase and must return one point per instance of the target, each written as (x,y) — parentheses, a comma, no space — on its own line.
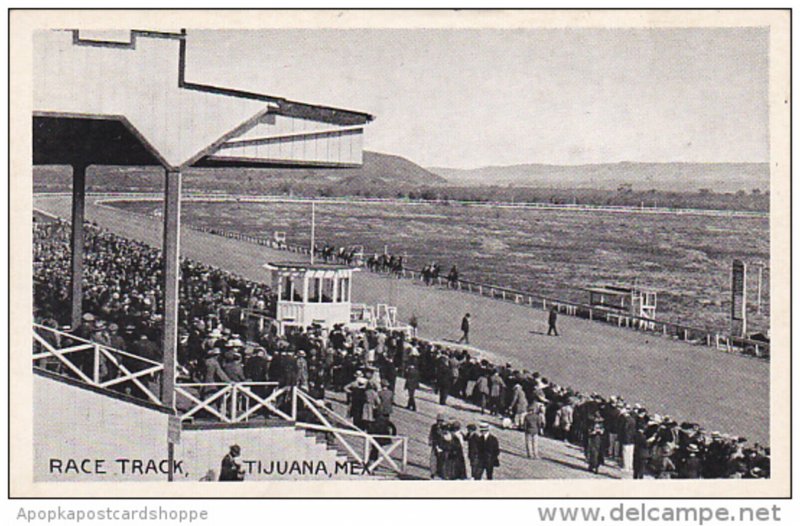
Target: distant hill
(686,177)
(379,171)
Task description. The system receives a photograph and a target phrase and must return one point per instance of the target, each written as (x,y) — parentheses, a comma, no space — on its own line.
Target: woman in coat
(451,456)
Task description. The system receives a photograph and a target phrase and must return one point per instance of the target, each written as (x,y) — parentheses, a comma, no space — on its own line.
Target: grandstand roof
(128,101)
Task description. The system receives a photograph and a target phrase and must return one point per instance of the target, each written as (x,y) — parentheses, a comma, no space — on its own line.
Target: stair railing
(373,454)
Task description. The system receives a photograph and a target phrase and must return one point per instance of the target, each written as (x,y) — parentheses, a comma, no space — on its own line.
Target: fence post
(293,391)
(96,367)
(234,401)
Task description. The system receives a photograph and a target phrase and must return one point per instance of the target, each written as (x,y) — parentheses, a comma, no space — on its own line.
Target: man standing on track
(464,329)
(551,321)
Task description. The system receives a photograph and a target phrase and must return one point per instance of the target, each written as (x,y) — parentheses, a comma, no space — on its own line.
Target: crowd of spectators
(609,429)
(218,343)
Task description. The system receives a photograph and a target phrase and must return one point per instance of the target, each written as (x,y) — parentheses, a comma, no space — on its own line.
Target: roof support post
(77,243)
(171,252)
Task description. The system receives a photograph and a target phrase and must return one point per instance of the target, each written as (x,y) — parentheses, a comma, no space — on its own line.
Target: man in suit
(627,436)
(484,450)
(464,329)
(412,384)
(434,439)
(551,321)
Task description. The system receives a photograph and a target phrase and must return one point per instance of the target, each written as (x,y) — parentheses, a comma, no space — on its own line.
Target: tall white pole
(313,226)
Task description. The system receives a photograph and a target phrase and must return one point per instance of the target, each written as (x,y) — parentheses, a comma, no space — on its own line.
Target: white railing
(95,364)
(366,448)
(234,403)
(103,367)
(230,403)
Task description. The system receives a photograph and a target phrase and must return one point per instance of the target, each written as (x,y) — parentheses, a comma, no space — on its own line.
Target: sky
(465,98)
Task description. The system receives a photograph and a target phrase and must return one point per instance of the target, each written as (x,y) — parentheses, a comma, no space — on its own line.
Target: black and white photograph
(431,251)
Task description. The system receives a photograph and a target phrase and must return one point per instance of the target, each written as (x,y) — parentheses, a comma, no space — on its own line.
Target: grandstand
(128,99)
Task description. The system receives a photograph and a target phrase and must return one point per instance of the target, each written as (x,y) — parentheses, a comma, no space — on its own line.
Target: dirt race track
(722,392)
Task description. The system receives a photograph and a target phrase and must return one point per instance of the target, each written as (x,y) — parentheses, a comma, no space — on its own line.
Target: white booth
(311,294)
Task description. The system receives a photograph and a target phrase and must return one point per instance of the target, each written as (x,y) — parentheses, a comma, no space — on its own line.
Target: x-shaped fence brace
(232,393)
(370,441)
(99,350)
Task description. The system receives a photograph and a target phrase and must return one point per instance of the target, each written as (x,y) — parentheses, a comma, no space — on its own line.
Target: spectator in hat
(594,445)
(116,341)
(434,437)
(482,389)
(412,384)
(497,387)
(451,455)
(692,466)
(86,327)
(302,370)
(530,426)
(232,365)
(641,453)
(385,401)
(627,436)
(356,390)
(371,407)
(232,468)
(484,452)
(519,405)
(214,371)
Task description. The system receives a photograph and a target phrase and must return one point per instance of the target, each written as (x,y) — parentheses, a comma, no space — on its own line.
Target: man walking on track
(551,321)
(464,329)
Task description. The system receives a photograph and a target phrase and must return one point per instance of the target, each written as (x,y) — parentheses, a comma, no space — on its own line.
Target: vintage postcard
(400,253)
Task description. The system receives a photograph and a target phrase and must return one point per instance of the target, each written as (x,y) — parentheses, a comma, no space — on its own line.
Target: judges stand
(311,294)
(631,306)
